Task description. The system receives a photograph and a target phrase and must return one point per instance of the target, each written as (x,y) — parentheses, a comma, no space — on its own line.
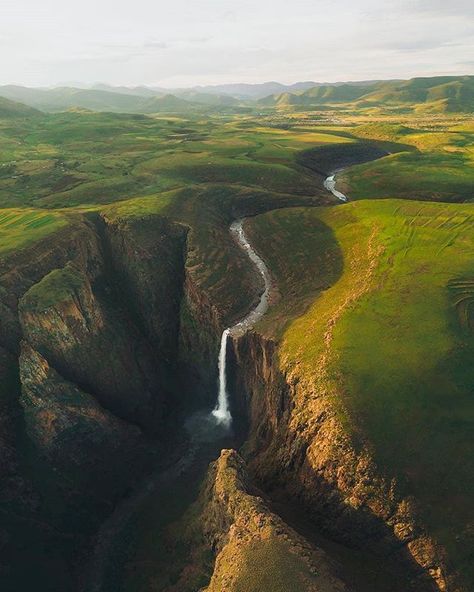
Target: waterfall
(221,411)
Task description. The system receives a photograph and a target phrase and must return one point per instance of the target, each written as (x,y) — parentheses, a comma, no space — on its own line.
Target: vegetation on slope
(440,166)
(61,99)
(440,94)
(395,329)
(81,158)
(13,110)
(55,287)
(21,227)
(229,539)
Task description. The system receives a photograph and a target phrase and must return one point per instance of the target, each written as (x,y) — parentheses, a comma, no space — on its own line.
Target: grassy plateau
(381,287)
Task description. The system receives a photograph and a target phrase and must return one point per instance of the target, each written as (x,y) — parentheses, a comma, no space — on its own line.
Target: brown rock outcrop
(299,446)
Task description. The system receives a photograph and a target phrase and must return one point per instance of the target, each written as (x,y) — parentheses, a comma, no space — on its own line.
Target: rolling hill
(351,398)
(437,94)
(12,109)
(116,99)
(443,93)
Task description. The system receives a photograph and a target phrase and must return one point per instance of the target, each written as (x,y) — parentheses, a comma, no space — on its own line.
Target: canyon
(129,361)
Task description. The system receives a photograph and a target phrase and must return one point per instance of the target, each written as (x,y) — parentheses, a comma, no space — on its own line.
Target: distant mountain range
(436,94)
(60,99)
(237,91)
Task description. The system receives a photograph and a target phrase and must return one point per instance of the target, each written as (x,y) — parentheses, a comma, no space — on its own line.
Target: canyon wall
(299,449)
(90,351)
(255,549)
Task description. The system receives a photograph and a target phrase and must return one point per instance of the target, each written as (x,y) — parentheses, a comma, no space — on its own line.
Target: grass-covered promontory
(55,287)
(388,289)
(437,164)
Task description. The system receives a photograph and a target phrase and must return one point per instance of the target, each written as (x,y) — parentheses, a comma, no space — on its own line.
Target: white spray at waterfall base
(222,411)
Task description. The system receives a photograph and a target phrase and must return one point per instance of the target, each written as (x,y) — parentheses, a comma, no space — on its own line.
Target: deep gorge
(103,374)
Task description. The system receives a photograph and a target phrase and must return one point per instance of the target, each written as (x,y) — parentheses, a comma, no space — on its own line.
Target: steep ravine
(116,339)
(324,484)
(93,351)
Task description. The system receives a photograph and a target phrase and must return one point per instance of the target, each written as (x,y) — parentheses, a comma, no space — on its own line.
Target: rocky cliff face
(89,339)
(298,445)
(21,270)
(252,549)
(58,415)
(89,336)
(147,257)
(256,550)
(200,330)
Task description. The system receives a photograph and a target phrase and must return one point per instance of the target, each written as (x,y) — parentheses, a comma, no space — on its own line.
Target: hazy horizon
(91,85)
(183,44)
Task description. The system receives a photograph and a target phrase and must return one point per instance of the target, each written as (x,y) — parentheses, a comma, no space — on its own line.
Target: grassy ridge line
(388,341)
(439,94)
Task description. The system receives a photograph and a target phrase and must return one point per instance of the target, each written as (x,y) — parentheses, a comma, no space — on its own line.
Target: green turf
(83,158)
(440,166)
(58,285)
(401,317)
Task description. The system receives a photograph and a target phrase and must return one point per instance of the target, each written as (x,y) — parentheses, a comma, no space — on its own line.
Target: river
(222,410)
(165,496)
(330,185)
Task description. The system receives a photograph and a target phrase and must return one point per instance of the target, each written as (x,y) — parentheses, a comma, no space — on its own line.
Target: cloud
(155,45)
(456,8)
(219,41)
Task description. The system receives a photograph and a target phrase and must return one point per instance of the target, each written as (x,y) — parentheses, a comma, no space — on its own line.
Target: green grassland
(82,159)
(79,158)
(55,287)
(192,170)
(437,165)
(399,297)
(21,227)
(401,272)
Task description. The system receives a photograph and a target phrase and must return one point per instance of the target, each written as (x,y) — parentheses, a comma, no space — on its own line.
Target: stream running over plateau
(330,185)
(222,411)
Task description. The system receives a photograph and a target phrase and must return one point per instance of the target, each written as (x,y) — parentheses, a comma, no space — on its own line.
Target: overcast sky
(187,42)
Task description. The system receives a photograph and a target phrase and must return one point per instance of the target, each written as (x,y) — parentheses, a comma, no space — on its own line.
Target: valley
(235,343)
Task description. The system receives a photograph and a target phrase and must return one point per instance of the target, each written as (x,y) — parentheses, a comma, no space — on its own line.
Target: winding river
(165,495)
(330,185)
(221,411)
